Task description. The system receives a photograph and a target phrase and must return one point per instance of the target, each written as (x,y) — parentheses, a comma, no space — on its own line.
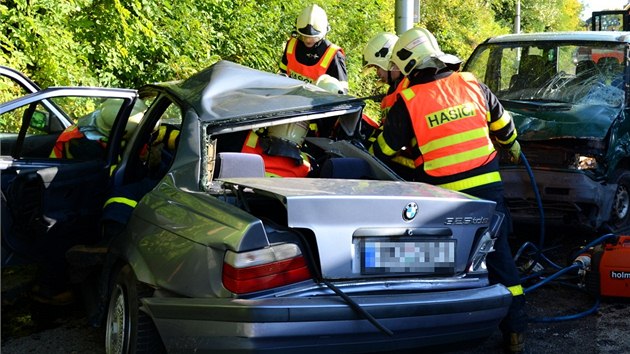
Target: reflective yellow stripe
(161,134)
(172,139)
(384,147)
(329,55)
(122,200)
(458,158)
(516,290)
(404,161)
(408,94)
(305,160)
(453,139)
(511,139)
(291,45)
(471,182)
(505,119)
(252,140)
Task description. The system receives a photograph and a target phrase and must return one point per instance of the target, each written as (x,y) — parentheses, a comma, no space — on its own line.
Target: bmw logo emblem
(410,211)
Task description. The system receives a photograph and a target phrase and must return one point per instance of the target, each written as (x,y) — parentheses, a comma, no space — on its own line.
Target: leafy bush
(127,43)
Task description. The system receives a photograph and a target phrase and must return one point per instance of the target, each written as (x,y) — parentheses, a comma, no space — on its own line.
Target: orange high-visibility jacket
(388,101)
(62,147)
(275,166)
(450,122)
(309,73)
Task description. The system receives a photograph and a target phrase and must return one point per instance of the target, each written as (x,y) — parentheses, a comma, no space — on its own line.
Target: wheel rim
(621,204)
(117,331)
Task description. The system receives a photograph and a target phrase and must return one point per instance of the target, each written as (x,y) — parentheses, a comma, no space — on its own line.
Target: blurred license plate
(388,256)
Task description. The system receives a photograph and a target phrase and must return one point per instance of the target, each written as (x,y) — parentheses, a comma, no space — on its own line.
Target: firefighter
(87,139)
(279,147)
(158,154)
(457,121)
(376,55)
(308,55)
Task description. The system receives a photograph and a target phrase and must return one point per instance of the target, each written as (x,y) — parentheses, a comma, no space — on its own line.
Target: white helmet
(293,132)
(417,48)
(108,112)
(378,50)
(330,84)
(312,22)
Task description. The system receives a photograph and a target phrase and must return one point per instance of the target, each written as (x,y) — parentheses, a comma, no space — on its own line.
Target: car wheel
(128,329)
(620,217)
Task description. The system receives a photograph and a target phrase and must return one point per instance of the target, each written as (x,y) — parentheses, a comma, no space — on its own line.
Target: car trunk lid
(380,228)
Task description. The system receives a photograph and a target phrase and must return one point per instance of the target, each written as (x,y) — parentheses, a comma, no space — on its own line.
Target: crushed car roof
(563,36)
(228,90)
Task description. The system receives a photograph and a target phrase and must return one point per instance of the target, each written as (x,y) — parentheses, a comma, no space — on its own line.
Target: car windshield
(565,72)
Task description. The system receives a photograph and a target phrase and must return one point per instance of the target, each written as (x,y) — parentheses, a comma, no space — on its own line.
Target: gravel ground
(28,327)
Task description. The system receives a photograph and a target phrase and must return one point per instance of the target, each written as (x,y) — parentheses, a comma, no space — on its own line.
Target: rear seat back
(240,164)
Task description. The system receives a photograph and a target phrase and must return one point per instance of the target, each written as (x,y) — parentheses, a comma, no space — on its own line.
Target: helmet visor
(309,41)
(309,30)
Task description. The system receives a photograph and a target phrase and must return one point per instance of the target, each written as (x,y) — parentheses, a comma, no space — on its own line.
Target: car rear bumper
(313,324)
(563,194)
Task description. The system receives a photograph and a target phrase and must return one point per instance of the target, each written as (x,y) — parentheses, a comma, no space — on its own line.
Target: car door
(14,84)
(46,197)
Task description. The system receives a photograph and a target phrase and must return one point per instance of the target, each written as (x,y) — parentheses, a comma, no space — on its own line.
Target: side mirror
(40,120)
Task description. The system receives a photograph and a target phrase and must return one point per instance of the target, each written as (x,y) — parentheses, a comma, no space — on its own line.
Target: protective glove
(515,152)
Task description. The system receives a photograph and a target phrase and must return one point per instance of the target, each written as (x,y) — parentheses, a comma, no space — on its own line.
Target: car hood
(536,122)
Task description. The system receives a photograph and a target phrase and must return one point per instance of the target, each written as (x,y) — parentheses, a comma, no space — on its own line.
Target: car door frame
(30,86)
(128,96)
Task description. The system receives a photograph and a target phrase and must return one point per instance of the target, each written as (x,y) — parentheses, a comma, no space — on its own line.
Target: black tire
(128,329)
(620,213)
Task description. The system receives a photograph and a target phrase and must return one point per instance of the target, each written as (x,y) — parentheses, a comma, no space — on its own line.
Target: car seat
(533,70)
(240,164)
(346,168)
(611,70)
(585,68)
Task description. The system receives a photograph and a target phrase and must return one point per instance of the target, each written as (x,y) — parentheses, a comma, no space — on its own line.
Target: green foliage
(37,38)
(540,15)
(451,22)
(127,43)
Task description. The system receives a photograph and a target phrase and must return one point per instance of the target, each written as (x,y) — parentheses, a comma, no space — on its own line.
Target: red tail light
(263,269)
